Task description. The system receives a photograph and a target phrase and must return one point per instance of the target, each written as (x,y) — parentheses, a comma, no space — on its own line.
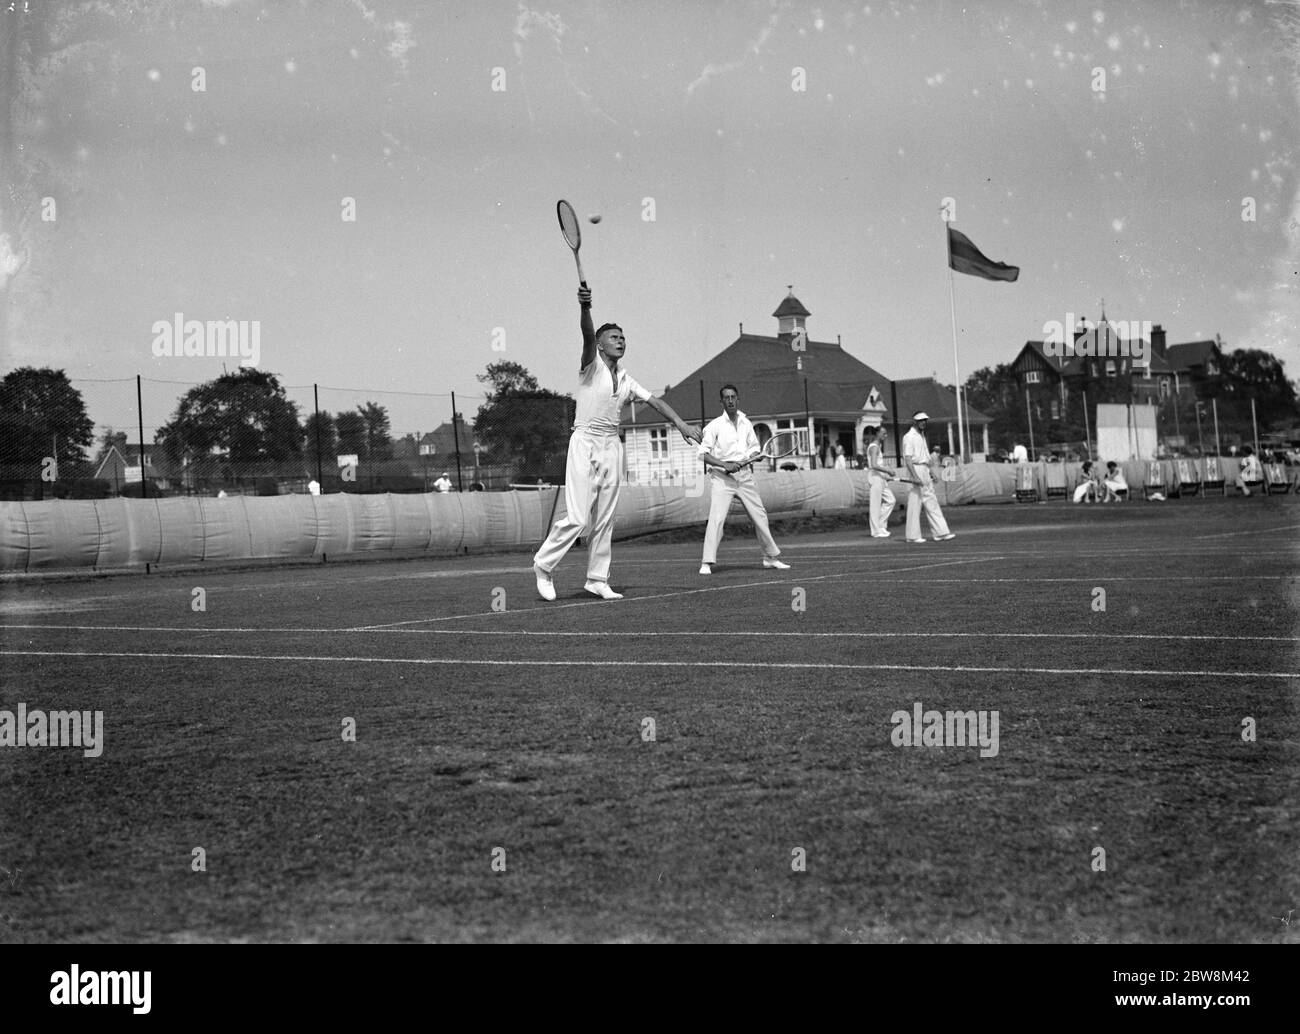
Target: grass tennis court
(524,730)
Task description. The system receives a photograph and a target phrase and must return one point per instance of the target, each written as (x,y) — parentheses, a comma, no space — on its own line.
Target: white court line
(668,595)
(868,554)
(634,634)
(1249,531)
(774,665)
(1103,579)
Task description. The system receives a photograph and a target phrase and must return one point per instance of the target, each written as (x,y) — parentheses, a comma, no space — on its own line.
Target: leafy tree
(244,414)
(1250,373)
(521,422)
(329,439)
(508,378)
(379,445)
(995,392)
(353,437)
(42,414)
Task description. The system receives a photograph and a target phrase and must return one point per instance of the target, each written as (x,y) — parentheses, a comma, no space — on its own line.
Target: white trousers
(882,504)
(922,496)
(724,487)
(591,481)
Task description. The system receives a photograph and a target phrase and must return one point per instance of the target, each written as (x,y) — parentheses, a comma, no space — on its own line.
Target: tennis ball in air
(594,218)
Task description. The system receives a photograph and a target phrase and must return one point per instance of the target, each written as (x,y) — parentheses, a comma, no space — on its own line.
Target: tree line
(244,418)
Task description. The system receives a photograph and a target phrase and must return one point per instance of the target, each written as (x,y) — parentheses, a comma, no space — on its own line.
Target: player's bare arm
(588,328)
(730,466)
(688,432)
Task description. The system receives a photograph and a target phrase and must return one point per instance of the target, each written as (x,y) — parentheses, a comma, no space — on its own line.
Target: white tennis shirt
(601,400)
(728,441)
(915,449)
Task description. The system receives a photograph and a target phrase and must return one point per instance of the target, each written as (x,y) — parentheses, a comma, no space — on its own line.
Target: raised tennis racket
(780,445)
(572,234)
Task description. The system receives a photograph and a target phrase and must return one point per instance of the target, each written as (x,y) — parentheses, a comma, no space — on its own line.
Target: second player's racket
(779,446)
(572,234)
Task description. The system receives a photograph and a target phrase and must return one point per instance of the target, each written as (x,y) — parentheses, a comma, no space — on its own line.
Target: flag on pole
(964,257)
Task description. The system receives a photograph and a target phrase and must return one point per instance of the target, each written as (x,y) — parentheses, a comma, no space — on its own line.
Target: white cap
(920,416)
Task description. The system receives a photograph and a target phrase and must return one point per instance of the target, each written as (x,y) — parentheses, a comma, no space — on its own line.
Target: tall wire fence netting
(248,434)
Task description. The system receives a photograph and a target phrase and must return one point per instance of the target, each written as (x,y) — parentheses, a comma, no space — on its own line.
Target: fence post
(455,437)
(812,443)
(315,405)
(893,409)
(139,412)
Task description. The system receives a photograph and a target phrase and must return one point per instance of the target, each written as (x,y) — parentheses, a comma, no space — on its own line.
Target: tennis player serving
(595,460)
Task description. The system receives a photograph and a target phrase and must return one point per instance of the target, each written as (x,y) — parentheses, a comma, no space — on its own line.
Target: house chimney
(1158,340)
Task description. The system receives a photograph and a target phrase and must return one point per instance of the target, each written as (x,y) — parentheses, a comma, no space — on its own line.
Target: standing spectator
(443,484)
(1019,454)
(840,462)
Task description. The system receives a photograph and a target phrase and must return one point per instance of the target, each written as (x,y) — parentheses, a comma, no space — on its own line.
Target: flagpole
(956,371)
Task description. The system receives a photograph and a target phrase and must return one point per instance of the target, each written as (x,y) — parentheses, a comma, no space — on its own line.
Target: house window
(1110,367)
(1211,367)
(658,443)
(1033,376)
(1092,366)
(1164,387)
(1056,410)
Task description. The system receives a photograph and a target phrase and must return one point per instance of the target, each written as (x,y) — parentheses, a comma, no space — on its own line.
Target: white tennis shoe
(706,569)
(775,564)
(545,587)
(602,590)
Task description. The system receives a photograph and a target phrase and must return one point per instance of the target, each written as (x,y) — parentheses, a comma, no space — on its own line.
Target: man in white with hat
(916,457)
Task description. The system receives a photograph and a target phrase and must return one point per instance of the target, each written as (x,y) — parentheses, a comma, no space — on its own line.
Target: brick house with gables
(1056,384)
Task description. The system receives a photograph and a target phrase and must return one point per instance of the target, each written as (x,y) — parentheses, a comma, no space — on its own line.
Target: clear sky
(226,203)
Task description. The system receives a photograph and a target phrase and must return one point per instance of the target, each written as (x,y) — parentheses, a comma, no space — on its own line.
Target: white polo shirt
(915,449)
(728,441)
(600,400)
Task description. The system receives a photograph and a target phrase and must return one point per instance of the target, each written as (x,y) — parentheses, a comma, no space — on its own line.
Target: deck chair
(1154,482)
(1213,479)
(1055,481)
(1189,481)
(1026,487)
(1275,480)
